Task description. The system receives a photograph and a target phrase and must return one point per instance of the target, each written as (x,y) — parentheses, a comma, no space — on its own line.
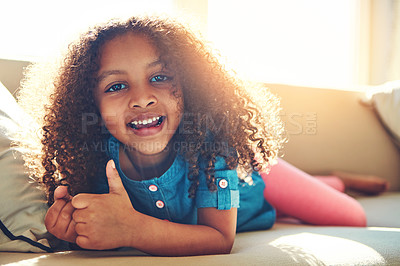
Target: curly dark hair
(216,104)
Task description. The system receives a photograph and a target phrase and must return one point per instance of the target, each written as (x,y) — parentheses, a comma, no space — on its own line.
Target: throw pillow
(22,204)
(386,101)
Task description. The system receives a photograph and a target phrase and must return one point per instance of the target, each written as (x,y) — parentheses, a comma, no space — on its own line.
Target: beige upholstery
(22,204)
(331,130)
(284,244)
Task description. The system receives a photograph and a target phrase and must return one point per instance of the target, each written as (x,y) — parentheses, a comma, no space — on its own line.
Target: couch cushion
(386,101)
(284,244)
(382,210)
(22,204)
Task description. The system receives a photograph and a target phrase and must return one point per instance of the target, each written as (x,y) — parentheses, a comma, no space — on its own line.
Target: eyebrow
(155,63)
(105,74)
(109,73)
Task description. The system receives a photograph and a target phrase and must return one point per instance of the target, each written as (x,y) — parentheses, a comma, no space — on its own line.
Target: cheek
(179,102)
(110,116)
(179,108)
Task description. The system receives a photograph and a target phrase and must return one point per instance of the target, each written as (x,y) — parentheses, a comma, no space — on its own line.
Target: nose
(142,97)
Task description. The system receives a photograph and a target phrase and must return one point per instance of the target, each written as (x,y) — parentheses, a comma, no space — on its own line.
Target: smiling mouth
(147,123)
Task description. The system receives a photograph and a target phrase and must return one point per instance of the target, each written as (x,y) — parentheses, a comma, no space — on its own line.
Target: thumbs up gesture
(103,220)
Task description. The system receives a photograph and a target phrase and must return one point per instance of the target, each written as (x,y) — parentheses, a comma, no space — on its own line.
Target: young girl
(161,148)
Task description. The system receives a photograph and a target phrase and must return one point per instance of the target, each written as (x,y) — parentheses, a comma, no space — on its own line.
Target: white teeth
(145,122)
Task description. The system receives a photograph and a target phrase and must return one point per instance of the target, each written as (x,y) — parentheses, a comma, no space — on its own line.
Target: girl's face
(140,102)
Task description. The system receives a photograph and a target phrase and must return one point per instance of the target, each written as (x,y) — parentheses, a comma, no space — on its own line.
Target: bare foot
(368,184)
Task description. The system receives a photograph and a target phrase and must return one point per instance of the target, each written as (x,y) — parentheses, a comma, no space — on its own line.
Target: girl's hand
(107,221)
(102,219)
(58,220)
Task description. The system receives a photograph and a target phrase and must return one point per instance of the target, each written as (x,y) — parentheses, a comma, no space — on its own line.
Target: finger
(61,192)
(83,241)
(114,180)
(65,218)
(80,229)
(71,232)
(79,216)
(52,214)
(81,201)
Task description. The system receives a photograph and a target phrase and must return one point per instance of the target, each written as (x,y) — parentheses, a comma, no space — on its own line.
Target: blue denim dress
(166,197)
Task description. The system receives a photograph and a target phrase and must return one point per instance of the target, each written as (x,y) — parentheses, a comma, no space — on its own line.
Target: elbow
(227,246)
(227,251)
(222,247)
(223,251)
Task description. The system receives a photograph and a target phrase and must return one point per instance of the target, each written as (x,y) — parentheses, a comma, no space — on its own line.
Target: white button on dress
(223,183)
(160,204)
(153,188)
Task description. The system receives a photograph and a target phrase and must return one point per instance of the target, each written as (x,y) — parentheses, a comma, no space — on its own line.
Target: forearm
(161,237)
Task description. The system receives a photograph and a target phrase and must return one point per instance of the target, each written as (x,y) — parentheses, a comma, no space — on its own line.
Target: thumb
(114,180)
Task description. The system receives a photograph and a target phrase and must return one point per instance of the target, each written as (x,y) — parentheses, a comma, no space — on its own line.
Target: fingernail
(112,164)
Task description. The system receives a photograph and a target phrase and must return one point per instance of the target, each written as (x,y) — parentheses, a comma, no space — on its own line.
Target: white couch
(327,130)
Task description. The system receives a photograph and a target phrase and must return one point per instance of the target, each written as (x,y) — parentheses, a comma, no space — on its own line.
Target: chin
(151,148)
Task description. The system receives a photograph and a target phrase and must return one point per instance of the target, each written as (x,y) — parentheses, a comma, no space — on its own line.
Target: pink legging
(299,195)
